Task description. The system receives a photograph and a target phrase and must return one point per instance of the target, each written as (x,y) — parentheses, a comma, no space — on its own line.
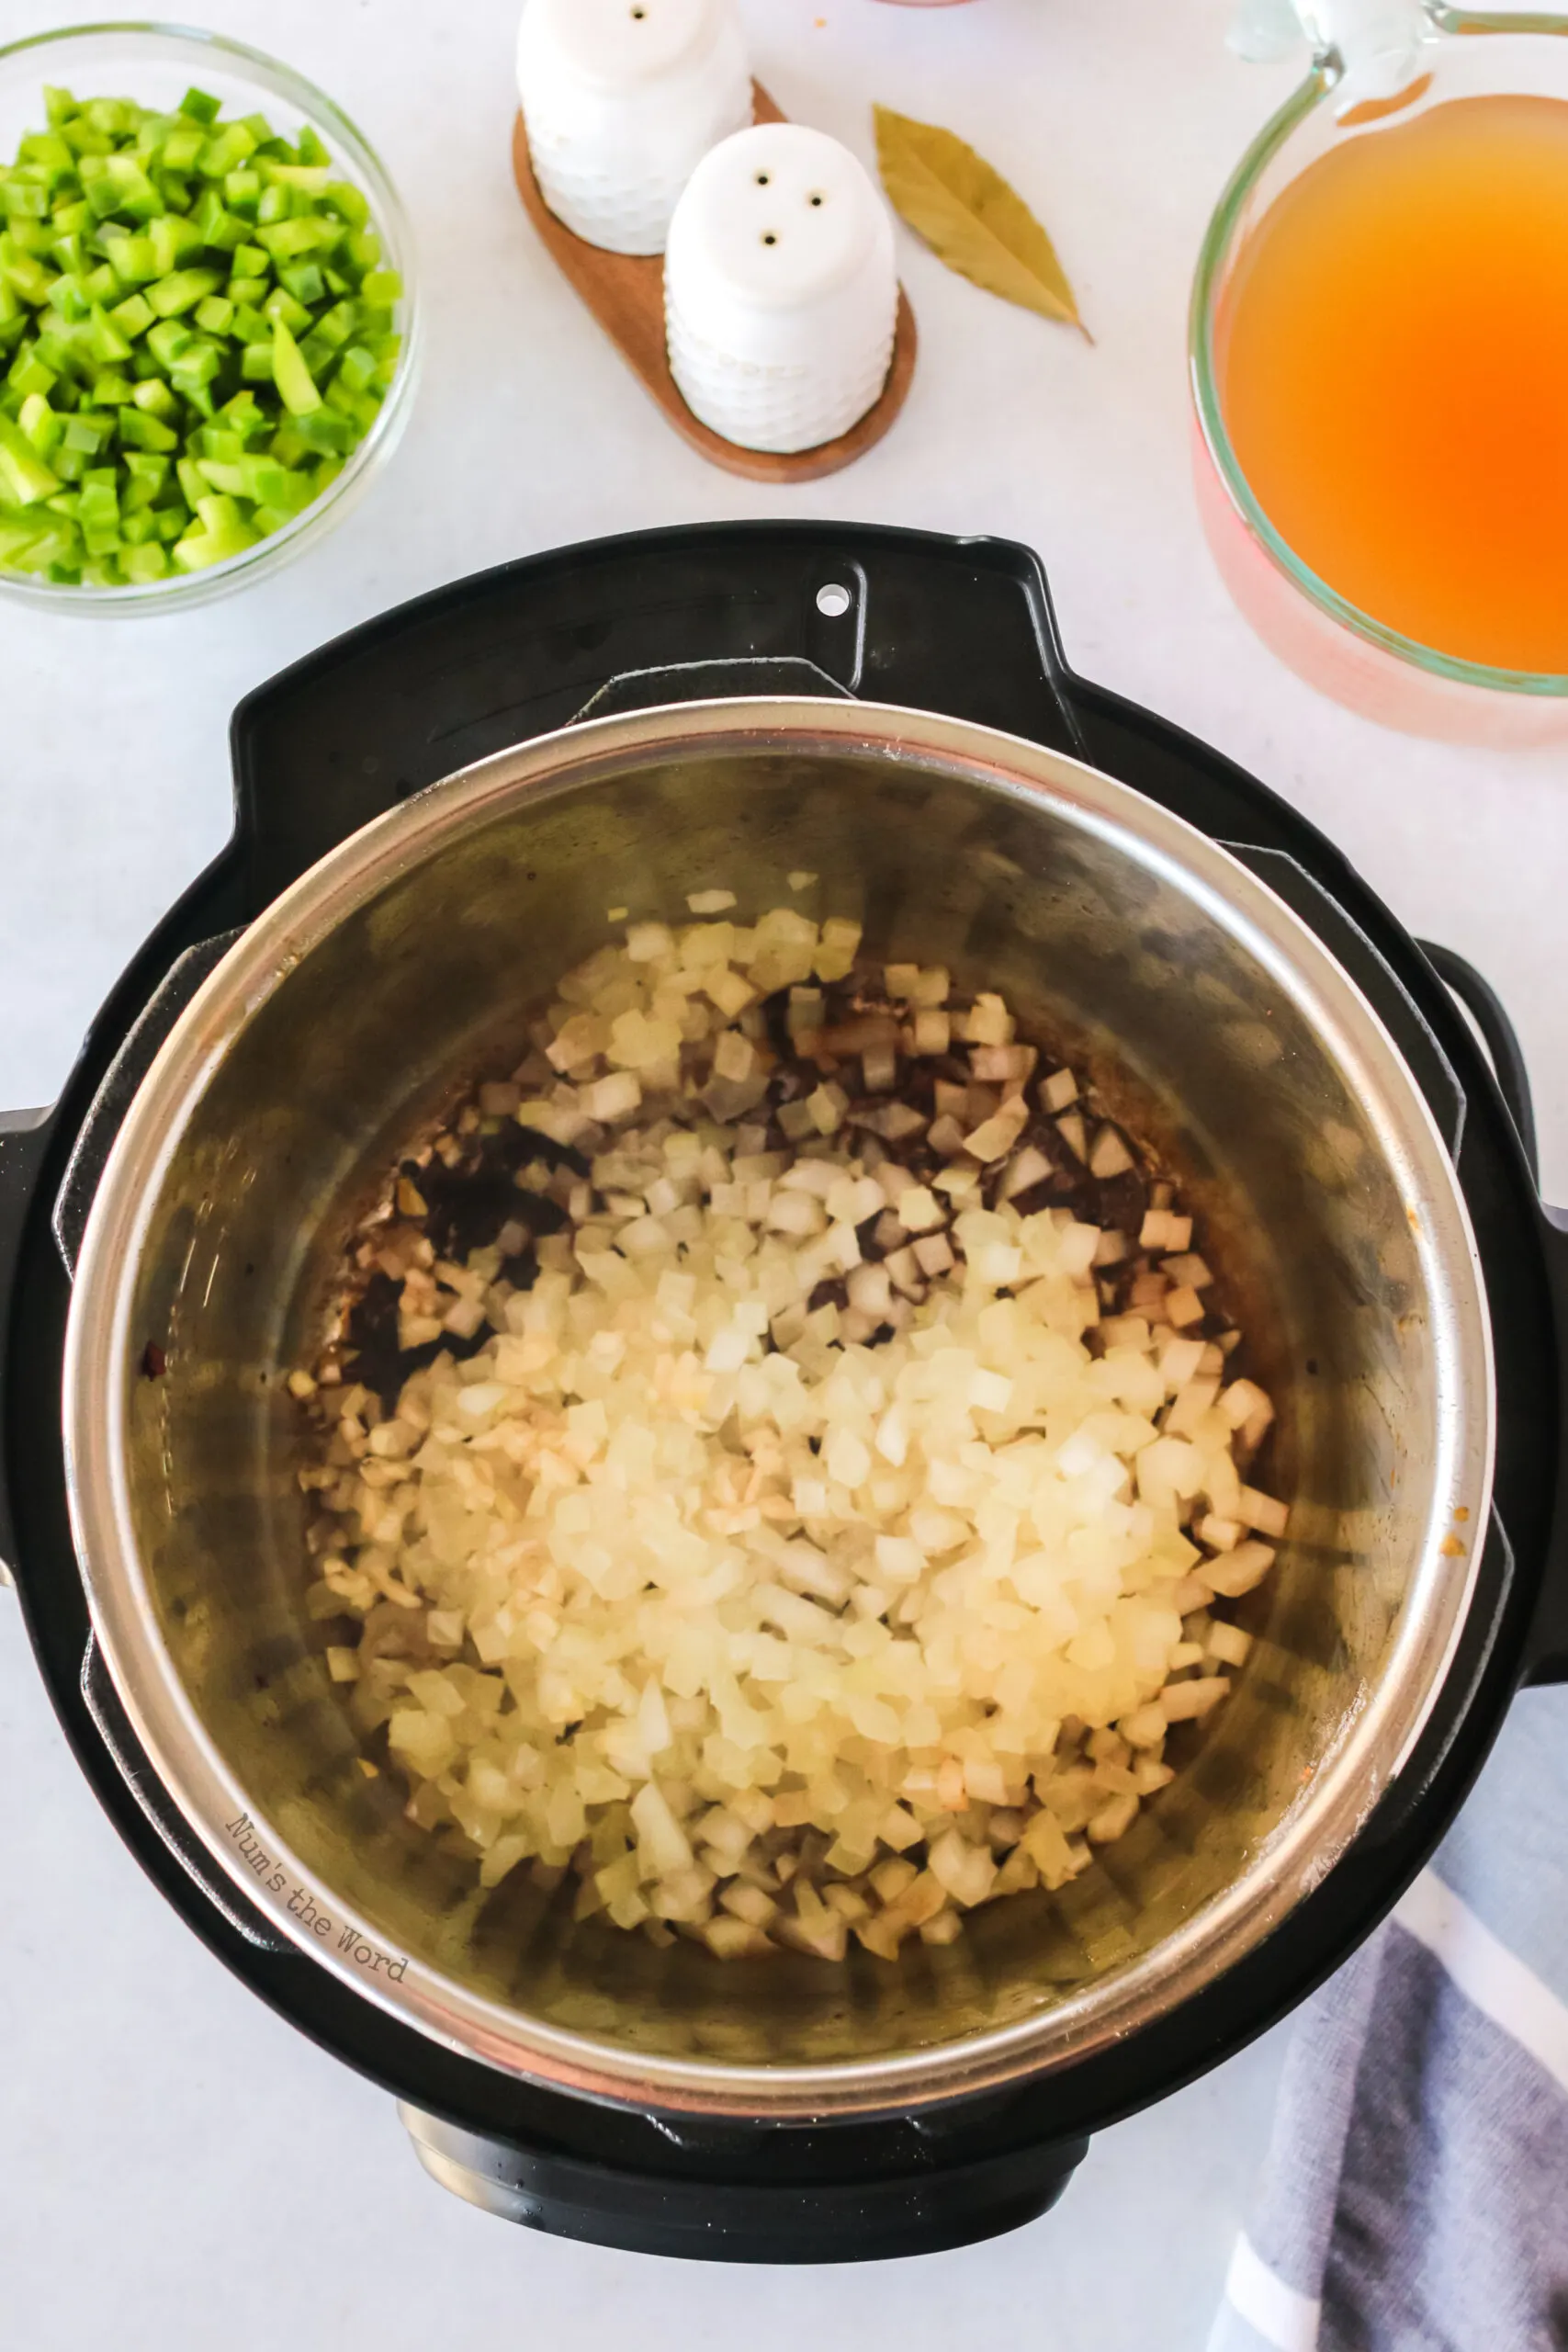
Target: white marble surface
(177,2170)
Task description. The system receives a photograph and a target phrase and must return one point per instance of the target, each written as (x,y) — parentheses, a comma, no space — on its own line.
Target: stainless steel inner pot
(407,962)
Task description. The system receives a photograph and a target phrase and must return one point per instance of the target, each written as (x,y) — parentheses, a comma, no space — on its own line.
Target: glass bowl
(155,64)
(1319,634)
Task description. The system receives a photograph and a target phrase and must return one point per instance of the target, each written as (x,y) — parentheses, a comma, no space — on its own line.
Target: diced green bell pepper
(181,290)
(295,385)
(195,329)
(175,239)
(133,316)
(281,304)
(138,430)
(24,477)
(222,532)
(143,565)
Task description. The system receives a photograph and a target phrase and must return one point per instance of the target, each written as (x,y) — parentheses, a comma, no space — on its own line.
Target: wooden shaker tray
(626,294)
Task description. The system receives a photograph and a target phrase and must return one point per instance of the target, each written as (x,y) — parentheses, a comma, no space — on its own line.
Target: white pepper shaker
(781,290)
(621,99)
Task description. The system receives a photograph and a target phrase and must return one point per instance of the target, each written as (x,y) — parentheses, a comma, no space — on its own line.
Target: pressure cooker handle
(117,1089)
(964,627)
(25,1138)
(112,1725)
(708,681)
(30,1208)
(1486,1009)
(1546,1646)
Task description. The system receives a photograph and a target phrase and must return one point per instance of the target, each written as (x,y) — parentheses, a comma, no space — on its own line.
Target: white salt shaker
(781,292)
(621,99)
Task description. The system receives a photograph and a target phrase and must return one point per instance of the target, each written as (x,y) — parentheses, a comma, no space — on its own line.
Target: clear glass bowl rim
(1213,262)
(246,61)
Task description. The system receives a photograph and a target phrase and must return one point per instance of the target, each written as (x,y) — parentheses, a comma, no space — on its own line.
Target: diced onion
(760,1605)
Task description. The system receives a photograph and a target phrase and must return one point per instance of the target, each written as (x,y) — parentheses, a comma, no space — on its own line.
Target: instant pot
(433,815)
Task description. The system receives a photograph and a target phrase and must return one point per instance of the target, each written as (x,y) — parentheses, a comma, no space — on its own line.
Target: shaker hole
(638,14)
(833,600)
(816,200)
(768,238)
(762,179)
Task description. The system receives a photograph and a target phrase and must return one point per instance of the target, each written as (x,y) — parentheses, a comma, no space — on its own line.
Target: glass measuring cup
(1326,638)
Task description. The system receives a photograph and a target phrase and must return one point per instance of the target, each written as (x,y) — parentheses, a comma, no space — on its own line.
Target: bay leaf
(970,216)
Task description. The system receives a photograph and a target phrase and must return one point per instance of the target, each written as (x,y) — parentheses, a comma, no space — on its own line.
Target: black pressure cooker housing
(965,628)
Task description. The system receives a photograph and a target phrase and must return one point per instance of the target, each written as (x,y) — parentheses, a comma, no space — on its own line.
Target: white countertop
(178,2170)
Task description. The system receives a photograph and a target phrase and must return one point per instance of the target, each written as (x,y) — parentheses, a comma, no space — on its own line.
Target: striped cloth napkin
(1416,2193)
